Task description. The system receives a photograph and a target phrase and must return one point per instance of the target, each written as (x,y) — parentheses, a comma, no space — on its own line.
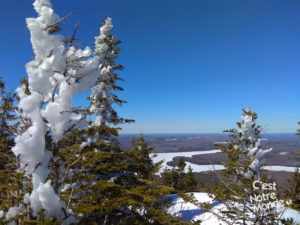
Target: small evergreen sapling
(141,162)
(190,181)
(179,179)
(293,190)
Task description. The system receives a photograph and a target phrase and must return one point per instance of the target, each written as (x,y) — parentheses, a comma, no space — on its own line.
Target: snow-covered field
(168,157)
(188,211)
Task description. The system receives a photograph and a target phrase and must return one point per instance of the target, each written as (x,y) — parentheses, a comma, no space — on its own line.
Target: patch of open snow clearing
(191,212)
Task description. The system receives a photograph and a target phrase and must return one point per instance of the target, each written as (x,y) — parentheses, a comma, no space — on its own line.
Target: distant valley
(284,153)
(285,146)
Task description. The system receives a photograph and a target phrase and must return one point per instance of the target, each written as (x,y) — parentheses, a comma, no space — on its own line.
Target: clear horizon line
(192,133)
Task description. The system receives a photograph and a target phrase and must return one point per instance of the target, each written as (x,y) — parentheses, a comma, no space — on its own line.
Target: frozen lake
(168,157)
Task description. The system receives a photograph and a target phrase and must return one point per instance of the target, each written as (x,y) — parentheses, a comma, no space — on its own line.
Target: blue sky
(190,66)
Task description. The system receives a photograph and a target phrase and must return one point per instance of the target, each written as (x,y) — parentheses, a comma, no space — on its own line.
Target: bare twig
(68,168)
(74,125)
(70,198)
(73,36)
(59,21)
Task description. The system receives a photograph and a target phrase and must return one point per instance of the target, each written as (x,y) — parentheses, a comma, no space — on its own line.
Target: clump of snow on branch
(250,137)
(55,76)
(45,197)
(13,211)
(30,145)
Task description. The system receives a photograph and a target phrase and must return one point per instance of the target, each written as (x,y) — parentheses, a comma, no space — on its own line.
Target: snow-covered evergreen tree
(243,167)
(57,73)
(109,185)
(106,46)
(103,96)
(100,178)
(249,135)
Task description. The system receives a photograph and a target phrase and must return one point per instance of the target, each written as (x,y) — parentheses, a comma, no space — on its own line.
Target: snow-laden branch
(55,76)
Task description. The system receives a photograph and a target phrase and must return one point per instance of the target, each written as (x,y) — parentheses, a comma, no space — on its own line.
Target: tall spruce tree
(243,167)
(108,185)
(100,169)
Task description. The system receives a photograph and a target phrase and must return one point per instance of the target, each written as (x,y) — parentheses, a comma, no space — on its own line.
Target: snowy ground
(189,211)
(168,157)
